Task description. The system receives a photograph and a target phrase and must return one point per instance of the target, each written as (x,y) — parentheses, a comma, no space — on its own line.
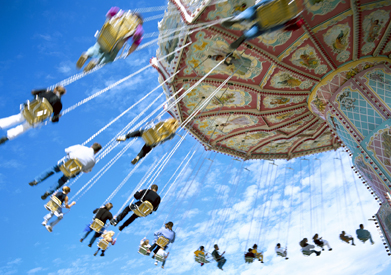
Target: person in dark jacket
(143,195)
(53,97)
(103,214)
(168,126)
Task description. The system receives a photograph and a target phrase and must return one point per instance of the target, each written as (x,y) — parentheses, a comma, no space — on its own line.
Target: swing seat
(201,259)
(53,204)
(249,259)
(143,209)
(280,254)
(97,225)
(159,132)
(37,110)
(71,167)
(306,252)
(116,29)
(162,241)
(143,250)
(103,244)
(278,12)
(159,258)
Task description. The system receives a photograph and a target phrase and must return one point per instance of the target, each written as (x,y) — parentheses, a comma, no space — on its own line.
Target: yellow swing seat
(201,259)
(143,250)
(37,110)
(162,241)
(160,131)
(249,259)
(71,167)
(103,244)
(53,204)
(143,209)
(278,12)
(97,225)
(117,28)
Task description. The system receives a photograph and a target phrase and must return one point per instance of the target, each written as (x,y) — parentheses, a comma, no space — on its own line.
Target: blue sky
(212,202)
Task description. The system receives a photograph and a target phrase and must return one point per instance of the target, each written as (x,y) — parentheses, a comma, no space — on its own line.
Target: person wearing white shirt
(86,157)
(281,251)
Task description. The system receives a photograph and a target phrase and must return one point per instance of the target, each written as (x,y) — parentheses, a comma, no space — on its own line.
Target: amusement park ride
(287,94)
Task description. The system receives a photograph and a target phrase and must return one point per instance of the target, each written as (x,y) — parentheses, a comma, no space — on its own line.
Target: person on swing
(54,99)
(149,195)
(166,129)
(364,235)
(100,55)
(165,232)
(251,14)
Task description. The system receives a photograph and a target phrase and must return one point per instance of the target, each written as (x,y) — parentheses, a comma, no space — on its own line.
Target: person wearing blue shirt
(364,235)
(165,232)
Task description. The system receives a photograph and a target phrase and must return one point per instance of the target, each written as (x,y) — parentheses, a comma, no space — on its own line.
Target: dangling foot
(89,245)
(236,44)
(317,253)
(121,228)
(286,258)
(135,160)
(155,262)
(90,66)
(49,228)
(34,182)
(81,240)
(103,254)
(82,59)
(96,253)
(322,249)
(330,249)
(44,196)
(353,244)
(44,223)
(3,139)
(121,138)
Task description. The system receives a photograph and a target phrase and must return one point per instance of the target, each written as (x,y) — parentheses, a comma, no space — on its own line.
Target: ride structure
(288,93)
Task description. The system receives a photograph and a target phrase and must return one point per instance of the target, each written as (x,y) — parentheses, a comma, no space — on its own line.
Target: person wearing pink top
(99,55)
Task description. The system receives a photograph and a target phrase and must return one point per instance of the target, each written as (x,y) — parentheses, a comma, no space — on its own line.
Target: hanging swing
(103,244)
(53,204)
(143,250)
(36,111)
(97,225)
(143,210)
(71,167)
(116,30)
(201,259)
(249,260)
(278,12)
(160,131)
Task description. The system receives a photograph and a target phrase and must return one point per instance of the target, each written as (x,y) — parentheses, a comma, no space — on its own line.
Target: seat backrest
(162,241)
(53,204)
(116,29)
(37,111)
(103,244)
(306,252)
(280,254)
(159,258)
(143,250)
(144,209)
(278,12)
(248,259)
(97,225)
(71,167)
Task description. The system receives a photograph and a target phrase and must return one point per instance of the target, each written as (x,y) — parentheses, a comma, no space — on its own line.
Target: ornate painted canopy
(271,107)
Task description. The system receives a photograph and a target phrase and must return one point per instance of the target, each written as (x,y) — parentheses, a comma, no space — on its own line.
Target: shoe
(82,59)
(81,240)
(89,245)
(322,249)
(90,66)
(317,253)
(236,44)
(330,249)
(261,262)
(286,258)
(102,255)
(163,267)
(96,253)
(353,244)
(113,222)
(121,228)
(44,196)
(44,223)
(49,228)
(34,182)
(3,139)
(121,138)
(135,160)
(155,262)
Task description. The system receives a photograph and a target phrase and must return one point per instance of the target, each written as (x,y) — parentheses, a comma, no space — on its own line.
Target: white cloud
(34,270)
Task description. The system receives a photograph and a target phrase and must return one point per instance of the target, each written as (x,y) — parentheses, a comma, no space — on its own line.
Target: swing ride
(282,95)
